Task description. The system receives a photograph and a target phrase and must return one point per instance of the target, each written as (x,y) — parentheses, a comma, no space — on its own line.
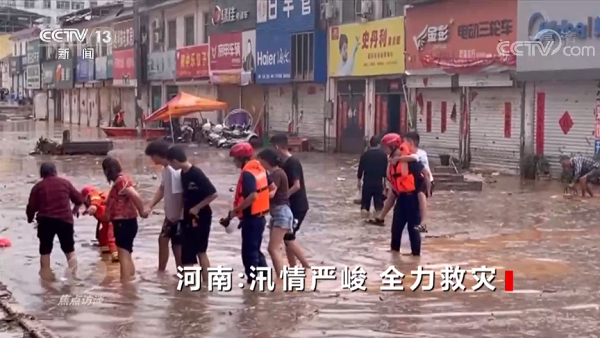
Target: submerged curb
(31,325)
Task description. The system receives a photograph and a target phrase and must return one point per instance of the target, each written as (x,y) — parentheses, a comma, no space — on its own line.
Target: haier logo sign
(274,57)
(271,59)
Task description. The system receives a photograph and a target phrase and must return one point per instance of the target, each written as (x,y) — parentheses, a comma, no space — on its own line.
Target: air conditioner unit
(366,8)
(157,31)
(328,10)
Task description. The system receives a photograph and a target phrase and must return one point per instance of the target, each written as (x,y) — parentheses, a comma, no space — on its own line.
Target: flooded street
(550,243)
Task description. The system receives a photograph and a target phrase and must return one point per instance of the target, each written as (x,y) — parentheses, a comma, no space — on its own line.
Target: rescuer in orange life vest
(95,202)
(406,177)
(251,204)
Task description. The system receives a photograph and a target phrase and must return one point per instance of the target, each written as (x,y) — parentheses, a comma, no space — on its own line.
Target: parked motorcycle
(237,127)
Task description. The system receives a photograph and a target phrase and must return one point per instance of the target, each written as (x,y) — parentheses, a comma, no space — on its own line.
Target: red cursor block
(509,280)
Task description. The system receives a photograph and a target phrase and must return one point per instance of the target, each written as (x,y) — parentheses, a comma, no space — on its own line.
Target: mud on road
(549,243)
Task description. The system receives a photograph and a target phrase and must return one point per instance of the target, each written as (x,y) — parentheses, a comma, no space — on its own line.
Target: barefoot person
(251,204)
(282,219)
(50,203)
(171,191)
(95,203)
(198,193)
(122,207)
(412,140)
(406,179)
(297,193)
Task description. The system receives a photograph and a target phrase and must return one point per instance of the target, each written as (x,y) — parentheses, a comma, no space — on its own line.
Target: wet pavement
(549,243)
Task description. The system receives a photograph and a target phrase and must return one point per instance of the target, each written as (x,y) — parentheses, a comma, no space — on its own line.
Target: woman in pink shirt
(122,207)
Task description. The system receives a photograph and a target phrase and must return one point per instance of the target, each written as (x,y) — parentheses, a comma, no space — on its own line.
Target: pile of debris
(46,146)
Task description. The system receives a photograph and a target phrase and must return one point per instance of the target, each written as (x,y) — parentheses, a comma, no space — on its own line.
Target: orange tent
(184,104)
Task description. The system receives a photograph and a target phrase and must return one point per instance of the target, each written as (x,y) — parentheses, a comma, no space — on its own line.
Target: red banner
(123,65)
(226,51)
(192,62)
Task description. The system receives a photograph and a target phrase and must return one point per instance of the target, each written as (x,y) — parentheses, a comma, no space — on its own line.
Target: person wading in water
(297,193)
(50,203)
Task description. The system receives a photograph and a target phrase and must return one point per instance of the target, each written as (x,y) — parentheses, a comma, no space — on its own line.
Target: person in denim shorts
(282,219)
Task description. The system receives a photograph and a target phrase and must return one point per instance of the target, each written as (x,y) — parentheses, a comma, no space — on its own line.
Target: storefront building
(232,55)
(103,69)
(124,82)
(87,110)
(57,78)
(32,67)
(465,102)
(16,72)
(192,72)
(291,54)
(366,66)
(562,88)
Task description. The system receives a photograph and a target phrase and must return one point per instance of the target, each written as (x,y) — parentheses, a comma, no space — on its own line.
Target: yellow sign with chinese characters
(367,49)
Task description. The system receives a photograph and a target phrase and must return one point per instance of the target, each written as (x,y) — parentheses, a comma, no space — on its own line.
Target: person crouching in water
(251,204)
(407,179)
(95,203)
(122,207)
(371,177)
(50,202)
(282,218)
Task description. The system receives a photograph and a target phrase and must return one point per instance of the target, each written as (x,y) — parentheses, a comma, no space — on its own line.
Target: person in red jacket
(95,203)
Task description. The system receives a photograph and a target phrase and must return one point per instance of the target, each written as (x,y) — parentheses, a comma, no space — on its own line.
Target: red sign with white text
(226,51)
(123,65)
(192,62)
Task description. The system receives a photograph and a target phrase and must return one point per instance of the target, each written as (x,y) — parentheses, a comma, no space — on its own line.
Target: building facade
(366,70)
(232,46)
(178,58)
(464,101)
(51,9)
(562,89)
(291,65)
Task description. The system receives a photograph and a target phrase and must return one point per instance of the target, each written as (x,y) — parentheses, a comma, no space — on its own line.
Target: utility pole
(137,45)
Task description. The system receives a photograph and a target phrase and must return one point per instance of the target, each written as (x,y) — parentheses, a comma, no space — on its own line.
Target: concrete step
(447,177)
(459,186)
(443,169)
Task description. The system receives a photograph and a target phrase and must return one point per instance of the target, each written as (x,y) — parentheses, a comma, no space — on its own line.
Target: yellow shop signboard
(367,49)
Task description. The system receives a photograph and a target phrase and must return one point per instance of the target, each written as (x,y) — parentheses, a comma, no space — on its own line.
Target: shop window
(303,56)
(172,34)
(206,22)
(47,4)
(190,28)
(349,10)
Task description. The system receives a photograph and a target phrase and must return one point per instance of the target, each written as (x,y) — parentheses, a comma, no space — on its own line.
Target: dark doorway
(351,116)
(394,107)
(58,104)
(389,112)
(172,91)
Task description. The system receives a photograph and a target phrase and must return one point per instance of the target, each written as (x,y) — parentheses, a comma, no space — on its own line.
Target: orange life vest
(399,175)
(98,199)
(260,206)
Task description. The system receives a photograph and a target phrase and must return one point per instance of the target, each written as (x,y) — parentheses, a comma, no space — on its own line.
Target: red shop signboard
(123,65)
(192,62)
(226,51)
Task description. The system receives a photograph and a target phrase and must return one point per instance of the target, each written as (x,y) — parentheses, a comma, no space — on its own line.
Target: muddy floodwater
(550,243)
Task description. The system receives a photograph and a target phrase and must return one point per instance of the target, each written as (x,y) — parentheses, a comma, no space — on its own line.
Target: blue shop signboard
(288,16)
(273,57)
(84,70)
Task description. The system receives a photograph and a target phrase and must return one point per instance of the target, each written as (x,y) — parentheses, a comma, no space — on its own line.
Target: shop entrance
(390,108)
(351,116)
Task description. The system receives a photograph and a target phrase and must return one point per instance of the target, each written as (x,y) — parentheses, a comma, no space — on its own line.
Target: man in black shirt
(198,193)
(297,194)
(371,177)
